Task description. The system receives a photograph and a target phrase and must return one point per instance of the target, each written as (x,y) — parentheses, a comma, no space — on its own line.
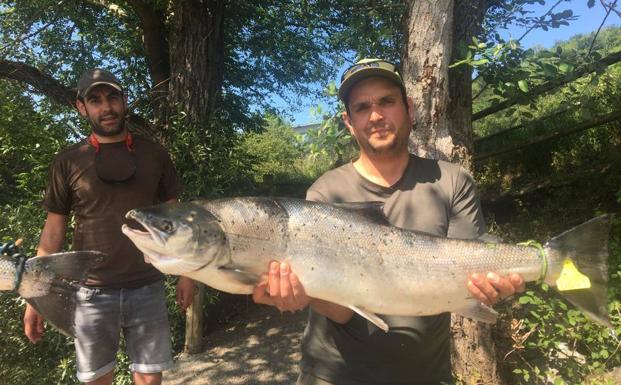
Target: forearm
(52,235)
(334,312)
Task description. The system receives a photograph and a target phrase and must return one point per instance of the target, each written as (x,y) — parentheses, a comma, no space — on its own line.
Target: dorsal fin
(373,210)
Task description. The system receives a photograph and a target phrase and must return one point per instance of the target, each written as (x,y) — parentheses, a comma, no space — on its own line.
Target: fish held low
(50,283)
(348,254)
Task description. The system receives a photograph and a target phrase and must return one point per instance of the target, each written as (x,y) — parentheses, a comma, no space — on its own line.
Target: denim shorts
(140,313)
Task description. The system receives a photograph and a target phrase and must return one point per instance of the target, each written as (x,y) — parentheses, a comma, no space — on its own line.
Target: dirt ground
(259,347)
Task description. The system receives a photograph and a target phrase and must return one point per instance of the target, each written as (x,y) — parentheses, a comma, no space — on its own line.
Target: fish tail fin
(58,307)
(579,266)
(57,303)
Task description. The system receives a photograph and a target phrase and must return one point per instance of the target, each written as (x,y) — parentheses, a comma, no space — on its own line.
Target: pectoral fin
(479,312)
(239,275)
(371,317)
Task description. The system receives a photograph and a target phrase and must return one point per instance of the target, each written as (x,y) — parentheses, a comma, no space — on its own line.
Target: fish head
(180,237)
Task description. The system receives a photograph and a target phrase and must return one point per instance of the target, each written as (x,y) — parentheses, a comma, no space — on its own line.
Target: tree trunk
(425,61)
(196,58)
(436,33)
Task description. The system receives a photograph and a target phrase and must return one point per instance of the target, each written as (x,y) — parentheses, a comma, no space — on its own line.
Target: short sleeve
(316,192)
(58,197)
(169,185)
(466,220)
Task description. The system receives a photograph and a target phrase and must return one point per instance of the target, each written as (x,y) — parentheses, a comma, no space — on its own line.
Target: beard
(396,145)
(108,131)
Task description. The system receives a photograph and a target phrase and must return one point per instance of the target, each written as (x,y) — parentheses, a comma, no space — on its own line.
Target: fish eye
(167,226)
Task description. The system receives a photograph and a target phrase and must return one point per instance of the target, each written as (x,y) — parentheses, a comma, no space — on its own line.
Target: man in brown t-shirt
(99,180)
(339,346)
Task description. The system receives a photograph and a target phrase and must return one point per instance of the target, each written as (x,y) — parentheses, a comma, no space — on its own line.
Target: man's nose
(106,106)
(376,115)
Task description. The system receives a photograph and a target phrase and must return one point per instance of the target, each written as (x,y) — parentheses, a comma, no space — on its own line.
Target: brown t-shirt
(434,197)
(99,207)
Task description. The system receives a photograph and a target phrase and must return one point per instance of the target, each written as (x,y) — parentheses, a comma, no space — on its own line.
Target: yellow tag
(571,278)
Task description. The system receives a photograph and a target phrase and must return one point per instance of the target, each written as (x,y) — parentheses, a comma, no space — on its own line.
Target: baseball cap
(95,77)
(366,68)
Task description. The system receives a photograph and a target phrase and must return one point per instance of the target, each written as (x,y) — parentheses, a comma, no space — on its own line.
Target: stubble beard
(394,147)
(107,132)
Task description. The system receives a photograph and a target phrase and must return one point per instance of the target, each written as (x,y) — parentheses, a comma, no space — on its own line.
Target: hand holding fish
(281,288)
(185,292)
(493,287)
(33,324)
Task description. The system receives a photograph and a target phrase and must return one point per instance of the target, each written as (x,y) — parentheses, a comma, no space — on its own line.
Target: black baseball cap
(95,77)
(366,68)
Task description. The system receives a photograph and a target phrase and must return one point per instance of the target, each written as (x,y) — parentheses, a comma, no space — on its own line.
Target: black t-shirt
(434,197)
(100,207)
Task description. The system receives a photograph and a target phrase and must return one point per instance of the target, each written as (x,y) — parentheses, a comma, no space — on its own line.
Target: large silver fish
(49,283)
(349,255)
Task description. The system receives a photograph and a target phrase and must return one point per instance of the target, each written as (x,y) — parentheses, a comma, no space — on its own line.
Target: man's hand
(492,288)
(281,288)
(33,324)
(185,292)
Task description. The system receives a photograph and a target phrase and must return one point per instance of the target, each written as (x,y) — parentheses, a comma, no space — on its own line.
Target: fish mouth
(144,237)
(151,246)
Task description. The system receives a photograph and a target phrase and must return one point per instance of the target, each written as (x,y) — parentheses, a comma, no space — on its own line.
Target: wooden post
(194,322)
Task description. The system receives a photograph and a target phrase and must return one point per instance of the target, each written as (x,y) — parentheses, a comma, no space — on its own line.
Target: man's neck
(384,170)
(112,139)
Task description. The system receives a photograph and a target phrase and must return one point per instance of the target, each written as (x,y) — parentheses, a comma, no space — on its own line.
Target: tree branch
(610,8)
(545,87)
(40,81)
(598,121)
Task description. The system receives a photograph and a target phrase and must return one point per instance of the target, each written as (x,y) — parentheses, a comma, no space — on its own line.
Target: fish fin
(371,317)
(373,211)
(71,265)
(70,271)
(240,275)
(583,253)
(489,238)
(479,312)
(58,306)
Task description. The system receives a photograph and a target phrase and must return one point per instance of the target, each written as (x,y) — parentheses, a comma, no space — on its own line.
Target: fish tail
(57,303)
(579,266)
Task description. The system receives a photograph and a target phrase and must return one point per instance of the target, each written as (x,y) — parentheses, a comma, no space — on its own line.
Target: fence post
(194,322)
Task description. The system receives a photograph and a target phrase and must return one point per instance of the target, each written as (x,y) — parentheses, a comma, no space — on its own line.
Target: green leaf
(549,70)
(525,299)
(479,62)
(523,84)
(565,67)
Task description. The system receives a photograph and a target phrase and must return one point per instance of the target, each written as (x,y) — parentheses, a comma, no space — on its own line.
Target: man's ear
(81,107)
(348,124)
(411,110)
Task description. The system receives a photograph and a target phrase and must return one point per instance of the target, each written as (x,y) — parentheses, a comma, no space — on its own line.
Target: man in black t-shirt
(339,346)
(99,180)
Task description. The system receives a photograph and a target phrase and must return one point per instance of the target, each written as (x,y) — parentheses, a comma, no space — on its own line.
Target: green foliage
(285,157)
(590,151)
(549,186)
(28,141)
(329,145)
(274,151)
(205,159)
